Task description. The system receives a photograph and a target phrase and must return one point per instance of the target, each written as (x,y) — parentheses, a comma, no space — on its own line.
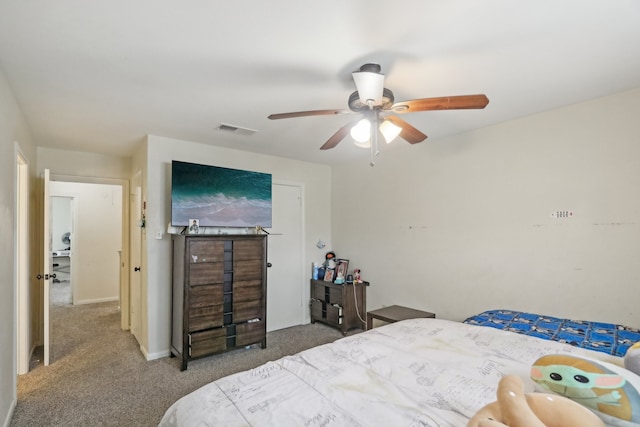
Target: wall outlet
(159,235)
(561,214)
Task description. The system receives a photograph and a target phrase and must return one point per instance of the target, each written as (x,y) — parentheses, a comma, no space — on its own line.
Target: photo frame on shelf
(342,266)
(329,275)
(194,226)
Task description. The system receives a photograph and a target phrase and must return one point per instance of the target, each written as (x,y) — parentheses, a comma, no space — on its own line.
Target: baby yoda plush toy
(514,408)
(632,359)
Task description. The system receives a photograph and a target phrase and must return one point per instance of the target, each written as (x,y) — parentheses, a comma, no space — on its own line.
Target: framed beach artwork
(219,197)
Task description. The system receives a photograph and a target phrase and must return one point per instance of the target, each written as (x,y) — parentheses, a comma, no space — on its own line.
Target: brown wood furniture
(396,313)
(336,305)
(219,294)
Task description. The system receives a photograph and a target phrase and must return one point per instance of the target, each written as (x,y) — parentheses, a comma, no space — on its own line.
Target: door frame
(21,263)
(47,264)
(125,258)
(135,255)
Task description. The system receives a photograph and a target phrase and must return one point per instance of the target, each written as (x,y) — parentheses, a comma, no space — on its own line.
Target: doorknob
(136,268)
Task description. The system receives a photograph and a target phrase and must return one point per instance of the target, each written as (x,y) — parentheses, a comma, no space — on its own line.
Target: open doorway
(89,241)
(86,239)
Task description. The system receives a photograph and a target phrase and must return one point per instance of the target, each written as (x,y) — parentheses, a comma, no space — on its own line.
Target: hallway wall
(96,239)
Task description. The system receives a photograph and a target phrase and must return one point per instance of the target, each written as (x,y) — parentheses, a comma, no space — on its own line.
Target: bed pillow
(632,359)
(600,386)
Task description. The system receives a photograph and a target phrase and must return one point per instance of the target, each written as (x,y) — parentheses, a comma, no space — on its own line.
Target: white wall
(156,191)
(462,224)
(14,136)
(60,221)
(96,239)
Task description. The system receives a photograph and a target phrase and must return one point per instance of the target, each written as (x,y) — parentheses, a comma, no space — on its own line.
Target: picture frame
(194,226)
(342,266)
(328,275)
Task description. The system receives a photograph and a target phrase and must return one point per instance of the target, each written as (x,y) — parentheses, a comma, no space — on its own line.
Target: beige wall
(96,239)
(463,224)
(83,164)
(156,192)
(14,138)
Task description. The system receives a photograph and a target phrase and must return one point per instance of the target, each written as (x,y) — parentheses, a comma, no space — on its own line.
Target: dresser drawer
(326,312)
(250,333)
(207,342)
(205,273)
(247,270)
(247,290)
(248,310)
(206,317)
(335,294)
(334,314)
(247,249)
(206,251)
(328,292)
(205,295)
(316,308)
(318,291)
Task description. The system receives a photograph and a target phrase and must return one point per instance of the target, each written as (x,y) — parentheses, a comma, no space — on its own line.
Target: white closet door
(285,278)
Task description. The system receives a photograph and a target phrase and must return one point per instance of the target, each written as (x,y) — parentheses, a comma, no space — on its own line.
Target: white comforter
(421,372)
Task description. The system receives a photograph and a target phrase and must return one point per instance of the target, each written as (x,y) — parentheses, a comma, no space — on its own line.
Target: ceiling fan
(377,105)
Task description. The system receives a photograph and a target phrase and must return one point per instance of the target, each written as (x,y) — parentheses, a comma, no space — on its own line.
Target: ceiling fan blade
(461,102)
(307,113)
(338,136)
(408,133)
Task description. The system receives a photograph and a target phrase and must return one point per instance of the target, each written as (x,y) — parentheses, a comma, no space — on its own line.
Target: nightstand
(396,313)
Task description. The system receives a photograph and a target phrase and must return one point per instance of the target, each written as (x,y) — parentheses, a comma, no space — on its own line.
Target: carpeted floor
(98,376)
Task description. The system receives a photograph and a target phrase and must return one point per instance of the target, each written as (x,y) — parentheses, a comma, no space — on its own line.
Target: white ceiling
(99,75)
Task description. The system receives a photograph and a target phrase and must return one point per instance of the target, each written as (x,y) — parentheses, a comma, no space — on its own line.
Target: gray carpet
(98,377)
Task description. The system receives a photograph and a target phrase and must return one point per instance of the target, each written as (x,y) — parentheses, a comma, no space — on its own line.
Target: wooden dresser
(339,305)
(219,294)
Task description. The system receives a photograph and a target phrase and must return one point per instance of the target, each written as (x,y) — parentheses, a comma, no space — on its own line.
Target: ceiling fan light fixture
(364,144)
(361,132)
(389,131)
(369,84)
(374,102)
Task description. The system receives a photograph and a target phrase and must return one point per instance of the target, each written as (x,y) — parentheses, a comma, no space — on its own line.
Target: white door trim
(21,263)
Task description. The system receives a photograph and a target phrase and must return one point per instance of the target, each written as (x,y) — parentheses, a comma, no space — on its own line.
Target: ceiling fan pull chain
(374,139)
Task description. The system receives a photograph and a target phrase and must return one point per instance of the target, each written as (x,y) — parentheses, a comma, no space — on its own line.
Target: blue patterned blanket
(605,337)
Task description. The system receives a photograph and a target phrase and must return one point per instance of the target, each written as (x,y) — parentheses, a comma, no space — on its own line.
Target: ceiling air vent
(236,129)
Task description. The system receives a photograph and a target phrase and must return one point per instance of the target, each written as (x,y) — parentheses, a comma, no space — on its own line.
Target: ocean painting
(219,197)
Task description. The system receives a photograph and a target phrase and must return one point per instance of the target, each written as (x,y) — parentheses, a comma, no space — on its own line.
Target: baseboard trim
(153,356)
(97,300)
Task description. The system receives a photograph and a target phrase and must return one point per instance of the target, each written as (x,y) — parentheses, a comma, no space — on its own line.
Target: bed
(609,338)
(418,372)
